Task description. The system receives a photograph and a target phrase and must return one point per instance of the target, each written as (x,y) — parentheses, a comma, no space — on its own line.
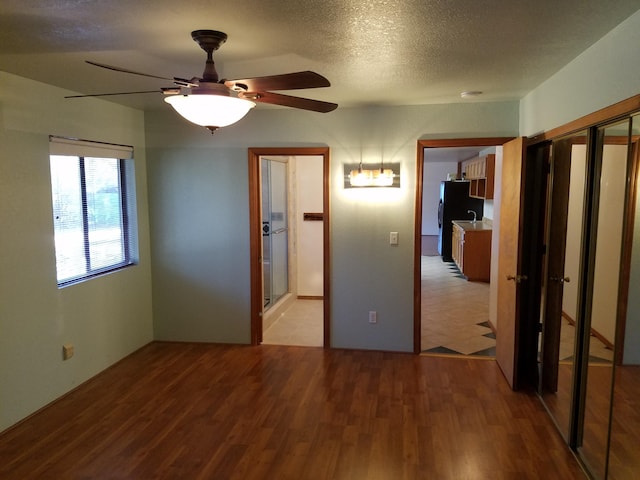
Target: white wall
(610,222)
(610,219)
(574,230)
(433,174)
(199,215)
(495,237)
(105,318)
(309,245)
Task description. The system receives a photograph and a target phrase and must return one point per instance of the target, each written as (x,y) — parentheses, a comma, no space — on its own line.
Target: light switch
(67,351)
(393,238)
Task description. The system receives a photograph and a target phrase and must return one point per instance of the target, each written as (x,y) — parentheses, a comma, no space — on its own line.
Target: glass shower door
(275,230)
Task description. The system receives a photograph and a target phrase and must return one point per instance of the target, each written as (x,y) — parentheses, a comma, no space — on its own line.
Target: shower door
(275,230)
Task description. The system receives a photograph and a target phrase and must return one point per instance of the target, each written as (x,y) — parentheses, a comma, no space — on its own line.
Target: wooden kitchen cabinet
(471,249)
(457,245)
(480,172)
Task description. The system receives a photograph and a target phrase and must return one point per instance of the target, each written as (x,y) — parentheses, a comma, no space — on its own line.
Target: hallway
(455,312)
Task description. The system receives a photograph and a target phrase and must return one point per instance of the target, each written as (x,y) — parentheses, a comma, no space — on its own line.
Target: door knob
(517,278)
(560,279)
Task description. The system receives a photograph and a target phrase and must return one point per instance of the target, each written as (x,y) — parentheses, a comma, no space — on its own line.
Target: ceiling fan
(213,103)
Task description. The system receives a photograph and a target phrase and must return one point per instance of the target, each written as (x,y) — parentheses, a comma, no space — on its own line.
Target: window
(95,228)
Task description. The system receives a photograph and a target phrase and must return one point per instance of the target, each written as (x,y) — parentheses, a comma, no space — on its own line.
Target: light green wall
(606,73)
(198,206)
(105,318)
(198,196)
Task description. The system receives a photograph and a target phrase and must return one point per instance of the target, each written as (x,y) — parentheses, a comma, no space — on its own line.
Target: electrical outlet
(67,351)
(393,238)
(373,317)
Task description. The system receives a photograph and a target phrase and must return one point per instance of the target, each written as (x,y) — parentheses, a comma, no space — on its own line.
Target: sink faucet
(474,215)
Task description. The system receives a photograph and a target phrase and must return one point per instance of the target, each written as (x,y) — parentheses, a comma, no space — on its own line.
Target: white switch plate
(373,317)
(393,238)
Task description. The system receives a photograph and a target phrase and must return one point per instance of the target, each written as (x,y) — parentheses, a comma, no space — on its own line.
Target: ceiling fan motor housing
(209,40)
(208,88)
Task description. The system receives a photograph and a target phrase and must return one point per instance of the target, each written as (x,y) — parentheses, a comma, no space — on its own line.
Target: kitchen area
(465,230)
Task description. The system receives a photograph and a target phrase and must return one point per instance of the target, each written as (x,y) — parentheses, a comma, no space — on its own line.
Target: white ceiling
(374,52)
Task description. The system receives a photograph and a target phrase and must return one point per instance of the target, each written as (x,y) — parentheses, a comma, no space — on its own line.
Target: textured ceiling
(374,52)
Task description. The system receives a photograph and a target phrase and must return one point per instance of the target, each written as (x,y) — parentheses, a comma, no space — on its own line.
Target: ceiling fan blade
(289,101)
(109,94)
(177,80)
(287,81)
(124,70)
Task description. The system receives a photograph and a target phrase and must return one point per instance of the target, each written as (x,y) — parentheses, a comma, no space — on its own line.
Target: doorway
(281,297)
(433,278)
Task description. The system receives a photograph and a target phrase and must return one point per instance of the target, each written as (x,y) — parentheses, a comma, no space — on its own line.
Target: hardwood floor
(625,429)
(202,411)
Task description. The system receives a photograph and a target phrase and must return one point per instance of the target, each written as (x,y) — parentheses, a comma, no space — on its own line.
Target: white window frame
(78,150)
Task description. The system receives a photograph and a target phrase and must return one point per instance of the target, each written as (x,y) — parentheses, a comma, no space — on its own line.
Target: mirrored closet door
(589,349)
(624,443)
(602,292)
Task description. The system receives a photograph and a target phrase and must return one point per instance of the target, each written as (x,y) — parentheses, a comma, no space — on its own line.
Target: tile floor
(455,316)
(455,312)
(300,325)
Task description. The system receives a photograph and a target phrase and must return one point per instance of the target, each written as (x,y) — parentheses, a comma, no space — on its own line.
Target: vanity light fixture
(359,176)
(383,177)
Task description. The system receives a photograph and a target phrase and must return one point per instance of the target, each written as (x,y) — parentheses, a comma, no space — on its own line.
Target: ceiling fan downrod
(209,41)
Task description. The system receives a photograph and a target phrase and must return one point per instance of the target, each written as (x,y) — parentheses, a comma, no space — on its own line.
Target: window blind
(84,148)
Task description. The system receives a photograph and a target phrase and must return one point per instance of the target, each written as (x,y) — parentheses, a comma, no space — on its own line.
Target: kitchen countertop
(469,226)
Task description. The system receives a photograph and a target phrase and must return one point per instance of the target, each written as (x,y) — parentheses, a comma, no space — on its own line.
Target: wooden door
(509,276)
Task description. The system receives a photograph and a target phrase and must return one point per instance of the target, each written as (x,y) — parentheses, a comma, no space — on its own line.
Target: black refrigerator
(454,205)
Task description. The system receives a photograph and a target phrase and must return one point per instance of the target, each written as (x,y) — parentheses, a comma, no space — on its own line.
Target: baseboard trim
(608,345)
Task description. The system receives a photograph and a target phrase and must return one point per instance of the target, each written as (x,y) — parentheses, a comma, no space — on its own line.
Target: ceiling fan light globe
(210,110)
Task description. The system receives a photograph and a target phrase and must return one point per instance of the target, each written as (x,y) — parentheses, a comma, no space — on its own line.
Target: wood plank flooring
(624,461)
(202,411)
